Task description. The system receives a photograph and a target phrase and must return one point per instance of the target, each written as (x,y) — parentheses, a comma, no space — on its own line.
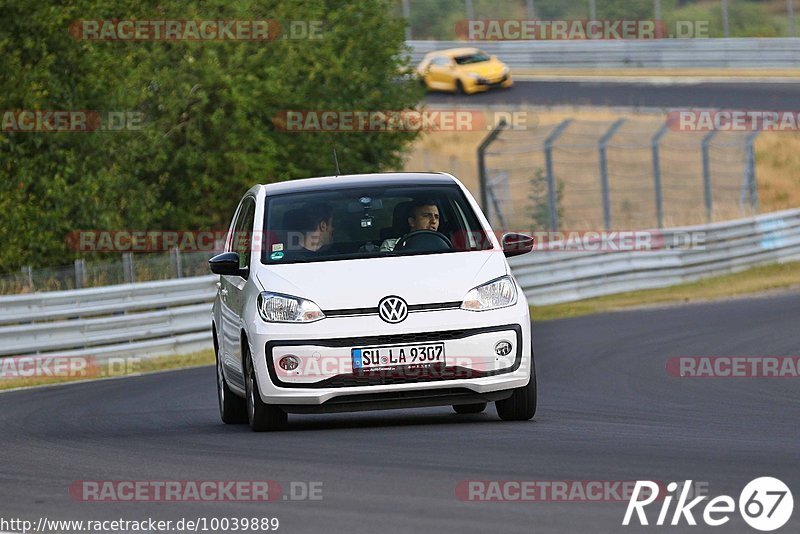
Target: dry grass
(777,165)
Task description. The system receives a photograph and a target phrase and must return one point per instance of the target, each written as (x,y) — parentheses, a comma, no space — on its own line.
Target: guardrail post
(707,174)
(602,144)
(552,191)
(80,273)
(750,169)
(482,179)
(128,271)
(657,174)
(177,260)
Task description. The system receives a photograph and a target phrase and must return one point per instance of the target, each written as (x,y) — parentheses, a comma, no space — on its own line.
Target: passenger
(310,229)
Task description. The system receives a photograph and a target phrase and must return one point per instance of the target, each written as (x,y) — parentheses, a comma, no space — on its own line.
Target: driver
(423,215)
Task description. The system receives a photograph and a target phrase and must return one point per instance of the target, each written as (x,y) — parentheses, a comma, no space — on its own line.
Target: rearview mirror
(515,244)
(227,264)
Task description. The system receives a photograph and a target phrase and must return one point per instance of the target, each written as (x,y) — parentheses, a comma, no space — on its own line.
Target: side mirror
(227,263)
(515,244)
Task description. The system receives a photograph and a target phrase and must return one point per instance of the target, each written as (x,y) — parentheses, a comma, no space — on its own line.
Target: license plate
(405,356)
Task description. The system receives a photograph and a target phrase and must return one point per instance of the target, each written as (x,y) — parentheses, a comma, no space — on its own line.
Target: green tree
(208,133)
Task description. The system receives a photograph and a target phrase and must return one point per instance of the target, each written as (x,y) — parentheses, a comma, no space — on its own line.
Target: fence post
(552,192)
(80,273)
(531,9)
(28,272)
(407,17)
(482,179)
(128,271)
(657,174)
(602,144)
(501,175)
(707,174)
(177,261)
(750,169)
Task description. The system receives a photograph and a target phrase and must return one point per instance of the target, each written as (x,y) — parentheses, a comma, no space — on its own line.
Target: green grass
(749,282)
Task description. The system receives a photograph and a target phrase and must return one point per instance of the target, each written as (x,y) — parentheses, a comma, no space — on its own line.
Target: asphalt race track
(608,411)
(749,95)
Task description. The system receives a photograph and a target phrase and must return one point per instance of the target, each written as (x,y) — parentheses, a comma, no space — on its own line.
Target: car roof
(453,52)
(355,180)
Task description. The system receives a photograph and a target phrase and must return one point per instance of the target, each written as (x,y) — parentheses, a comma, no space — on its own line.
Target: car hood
(361,283)
(488,69)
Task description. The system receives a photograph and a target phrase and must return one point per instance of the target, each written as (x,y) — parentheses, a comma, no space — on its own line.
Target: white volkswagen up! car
(368,292)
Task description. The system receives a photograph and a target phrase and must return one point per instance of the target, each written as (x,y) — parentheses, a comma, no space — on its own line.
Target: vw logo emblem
(393,309)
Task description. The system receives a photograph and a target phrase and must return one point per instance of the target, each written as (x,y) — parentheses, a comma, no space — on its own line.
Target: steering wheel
(424,240)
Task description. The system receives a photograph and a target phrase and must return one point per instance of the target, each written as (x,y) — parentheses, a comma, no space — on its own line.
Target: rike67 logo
(765,504)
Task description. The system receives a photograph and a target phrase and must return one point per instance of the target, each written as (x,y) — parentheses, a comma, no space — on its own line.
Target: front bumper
(483,84)
(325,375)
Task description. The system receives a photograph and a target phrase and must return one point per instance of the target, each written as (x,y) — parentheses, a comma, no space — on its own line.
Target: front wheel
(262,417)
(232,409)
(521,405)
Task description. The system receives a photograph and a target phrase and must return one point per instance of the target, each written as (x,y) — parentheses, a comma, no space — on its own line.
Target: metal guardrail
(172,317)
(555,277)
(660,53)
(143,319)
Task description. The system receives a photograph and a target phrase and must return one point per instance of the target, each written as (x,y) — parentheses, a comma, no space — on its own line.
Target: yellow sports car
(463,70)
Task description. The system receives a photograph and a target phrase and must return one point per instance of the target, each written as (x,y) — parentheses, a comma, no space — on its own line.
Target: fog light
(503,348)
(289,363)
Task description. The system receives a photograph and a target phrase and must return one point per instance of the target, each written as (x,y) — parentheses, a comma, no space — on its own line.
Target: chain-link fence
(127,268)
(614,175)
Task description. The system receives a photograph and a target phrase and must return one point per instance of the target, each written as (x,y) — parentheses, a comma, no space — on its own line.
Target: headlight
(278,308)
(474,75)
(492,295)
(505,71)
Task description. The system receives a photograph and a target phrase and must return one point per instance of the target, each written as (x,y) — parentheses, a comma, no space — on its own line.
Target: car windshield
(468,59)
(369,222)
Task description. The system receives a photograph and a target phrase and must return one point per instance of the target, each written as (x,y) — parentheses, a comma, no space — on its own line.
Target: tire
(521,405)
(460,88)
(232,408)
(478,407)
(262,417)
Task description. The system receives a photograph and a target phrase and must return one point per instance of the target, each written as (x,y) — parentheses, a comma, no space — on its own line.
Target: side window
(441,61)
(241,241)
